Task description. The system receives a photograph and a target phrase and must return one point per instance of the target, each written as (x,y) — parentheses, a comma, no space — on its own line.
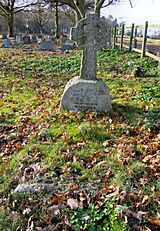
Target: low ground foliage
(103,166)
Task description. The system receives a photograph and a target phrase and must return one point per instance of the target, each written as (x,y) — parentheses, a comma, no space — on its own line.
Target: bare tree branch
(131,3)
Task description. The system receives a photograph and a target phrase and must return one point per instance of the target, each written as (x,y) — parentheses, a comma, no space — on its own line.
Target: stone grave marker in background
(67,45)
(40,38)
(34,38)
(64,37)
(7,43)
(86,92)
(47,45)
(18,39)
(4,35)
(26,38)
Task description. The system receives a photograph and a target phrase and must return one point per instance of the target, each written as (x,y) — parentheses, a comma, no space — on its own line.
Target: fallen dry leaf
(153,221)
(72,203)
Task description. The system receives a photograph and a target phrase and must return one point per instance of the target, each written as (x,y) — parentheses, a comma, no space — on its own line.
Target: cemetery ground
(98,171)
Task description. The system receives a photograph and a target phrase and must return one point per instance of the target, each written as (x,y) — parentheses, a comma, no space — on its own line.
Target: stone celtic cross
(90,35)
(86,92)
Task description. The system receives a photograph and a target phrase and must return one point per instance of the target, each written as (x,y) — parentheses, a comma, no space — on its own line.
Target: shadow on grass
(125,109)
(137,116)
(127,112)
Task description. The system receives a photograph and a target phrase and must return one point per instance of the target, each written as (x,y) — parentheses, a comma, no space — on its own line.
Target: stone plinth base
(86,95)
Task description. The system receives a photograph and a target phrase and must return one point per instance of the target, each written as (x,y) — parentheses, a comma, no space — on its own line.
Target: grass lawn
(103,166)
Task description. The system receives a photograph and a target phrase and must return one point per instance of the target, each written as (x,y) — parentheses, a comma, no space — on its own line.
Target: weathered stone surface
(18,39)
(86,95)
(7,43)
(47,45)
(4,35)
(22,188)
(89,34)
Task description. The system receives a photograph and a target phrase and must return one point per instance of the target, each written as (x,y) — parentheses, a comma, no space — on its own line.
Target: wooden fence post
(144,40)
(122,35)
(114,36)
(110,36)
(135,40)
(131,38)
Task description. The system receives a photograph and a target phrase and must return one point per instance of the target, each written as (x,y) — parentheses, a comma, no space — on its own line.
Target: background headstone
(65,48)
(26,38)
(40,38)
(63,39)
(7,43)
(67,45)
(18,39)
(47,45)
(4,35)
(34,38)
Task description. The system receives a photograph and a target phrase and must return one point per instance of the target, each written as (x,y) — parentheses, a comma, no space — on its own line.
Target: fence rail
(133,42)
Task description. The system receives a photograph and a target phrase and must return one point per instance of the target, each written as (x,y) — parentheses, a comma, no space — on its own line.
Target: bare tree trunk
(11,25)
(97,11)
(57,21)
(97,6)
(40,29)
(79,7)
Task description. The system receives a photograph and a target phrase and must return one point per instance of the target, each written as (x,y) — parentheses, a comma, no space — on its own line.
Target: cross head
(89,35)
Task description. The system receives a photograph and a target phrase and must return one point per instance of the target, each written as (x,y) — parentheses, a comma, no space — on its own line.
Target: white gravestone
(18,39)
(87,92)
